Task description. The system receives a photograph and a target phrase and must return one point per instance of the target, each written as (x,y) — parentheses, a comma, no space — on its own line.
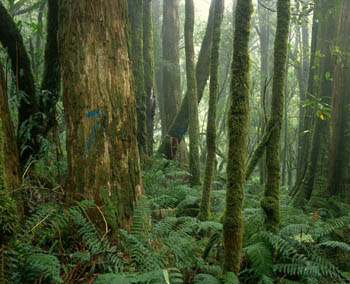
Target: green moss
(8,209)
(192,96)
(238,118)
(204,212)
(270,202)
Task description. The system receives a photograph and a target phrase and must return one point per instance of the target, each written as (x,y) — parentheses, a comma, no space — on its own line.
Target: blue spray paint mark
(95,127)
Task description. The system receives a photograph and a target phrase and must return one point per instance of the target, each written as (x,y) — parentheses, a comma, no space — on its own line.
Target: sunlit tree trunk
(238,119)
(204,211)
(270,201)
(100,112)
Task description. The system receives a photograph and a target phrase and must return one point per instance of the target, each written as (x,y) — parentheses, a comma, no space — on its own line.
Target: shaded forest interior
(174,141)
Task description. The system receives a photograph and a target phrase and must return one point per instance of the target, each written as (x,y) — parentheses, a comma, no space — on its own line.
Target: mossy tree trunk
(136,28)
(204,211)
(9,138)
(195,175)
(100,111)
(270,201)
(180,124)
(171,61)
(149,71)
(51,82)
(238,119)
(28,118)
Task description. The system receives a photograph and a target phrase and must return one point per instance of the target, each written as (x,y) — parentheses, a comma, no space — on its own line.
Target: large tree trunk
(339,162)
(9,138)
(171,62)
(28,119)
(204,211)
(195,173)
(136,23)
(238,119)
(314,185)
(99,101)
(270,201)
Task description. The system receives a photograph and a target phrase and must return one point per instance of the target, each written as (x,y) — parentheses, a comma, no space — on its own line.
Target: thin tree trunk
(204,211)
(51,82)
(195,178)
(270,201)
(180,123)
(237,136)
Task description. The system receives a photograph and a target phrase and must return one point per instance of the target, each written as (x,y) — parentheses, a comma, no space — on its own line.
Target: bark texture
(136,27)
(195,173)
(270,201)
(204,211)
(238,119)
(9,138)
(99,101)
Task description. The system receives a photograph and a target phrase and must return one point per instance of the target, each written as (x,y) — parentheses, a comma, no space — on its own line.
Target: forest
(174,141)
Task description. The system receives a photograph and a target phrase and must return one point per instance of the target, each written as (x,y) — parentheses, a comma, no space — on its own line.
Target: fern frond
(335,244)
(261,258)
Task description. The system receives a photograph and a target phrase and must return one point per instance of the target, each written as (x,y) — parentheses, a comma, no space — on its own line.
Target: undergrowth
(167,244)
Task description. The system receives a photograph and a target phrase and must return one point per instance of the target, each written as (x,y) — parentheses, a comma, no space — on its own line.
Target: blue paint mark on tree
(95,127)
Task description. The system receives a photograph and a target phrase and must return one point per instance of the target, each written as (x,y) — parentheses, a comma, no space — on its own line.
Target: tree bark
(237,136)
(136,27)
(195,175)
(204,211)
(171,61)
(9,138)
(99,101)
(180,124)
(51,82)
(270,201)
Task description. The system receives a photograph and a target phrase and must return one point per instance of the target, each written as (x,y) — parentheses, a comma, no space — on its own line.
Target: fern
(261,258)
